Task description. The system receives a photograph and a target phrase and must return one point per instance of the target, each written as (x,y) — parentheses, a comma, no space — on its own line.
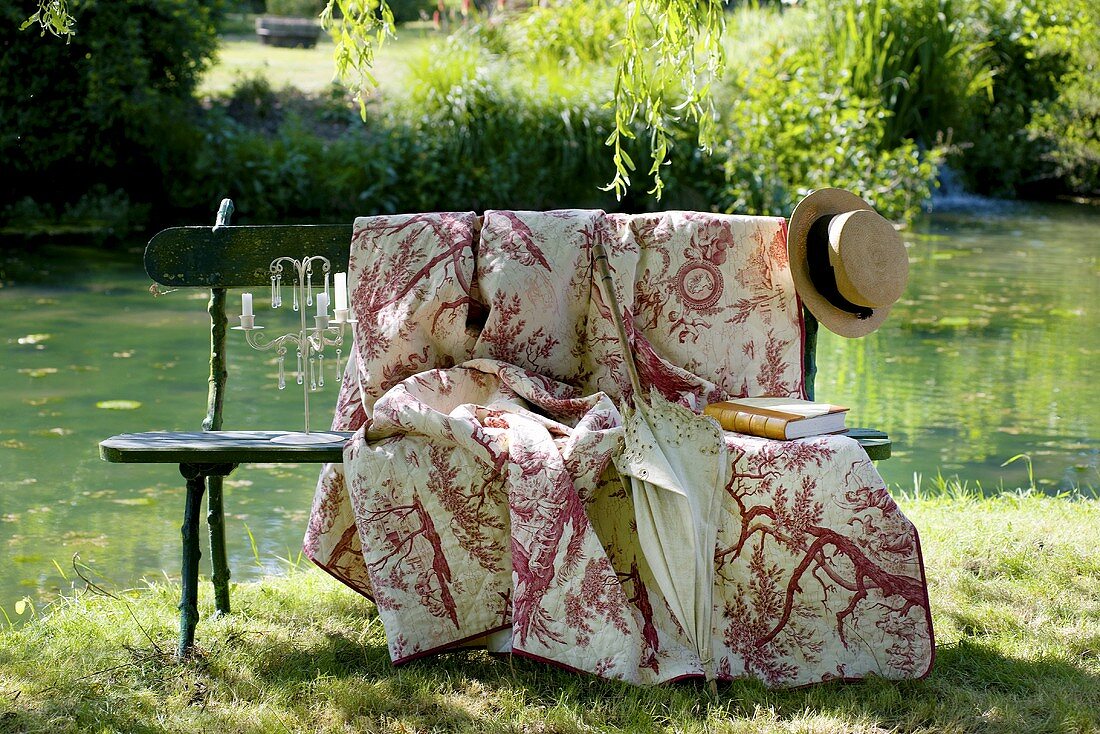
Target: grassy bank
(1015,587)
(309,70)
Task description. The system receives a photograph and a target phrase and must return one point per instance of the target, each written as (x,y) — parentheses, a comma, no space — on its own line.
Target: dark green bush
(295,8)
(1030,47)
(1072,122)
(469,139)
(405,11)
(112,109)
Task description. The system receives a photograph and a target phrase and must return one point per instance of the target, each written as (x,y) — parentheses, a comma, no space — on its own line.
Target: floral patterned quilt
(478,502)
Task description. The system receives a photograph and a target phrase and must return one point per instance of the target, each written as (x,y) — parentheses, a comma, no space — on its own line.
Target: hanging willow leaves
(671,53)
(357,28)
(52,16)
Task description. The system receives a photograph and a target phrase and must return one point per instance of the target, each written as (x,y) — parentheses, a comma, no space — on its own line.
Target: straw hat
(849,263)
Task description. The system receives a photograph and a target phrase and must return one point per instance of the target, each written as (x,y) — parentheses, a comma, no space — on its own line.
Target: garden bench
(226,257)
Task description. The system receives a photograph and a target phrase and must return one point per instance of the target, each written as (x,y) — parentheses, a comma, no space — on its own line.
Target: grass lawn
(1015,587)
(310,70)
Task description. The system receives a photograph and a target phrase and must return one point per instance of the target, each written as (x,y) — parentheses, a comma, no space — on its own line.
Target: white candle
(322,304)
(246,304)
(341,281)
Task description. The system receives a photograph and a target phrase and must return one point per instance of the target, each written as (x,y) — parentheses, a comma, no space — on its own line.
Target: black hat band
(822,274)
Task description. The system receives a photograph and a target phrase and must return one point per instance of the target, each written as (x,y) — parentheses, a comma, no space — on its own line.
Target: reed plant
(917,57)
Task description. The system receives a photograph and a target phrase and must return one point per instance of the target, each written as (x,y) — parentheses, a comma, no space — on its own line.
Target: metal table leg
(197,476)
(189,609)
(215,518)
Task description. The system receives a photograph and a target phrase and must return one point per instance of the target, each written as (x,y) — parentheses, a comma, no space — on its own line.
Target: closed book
(778,418)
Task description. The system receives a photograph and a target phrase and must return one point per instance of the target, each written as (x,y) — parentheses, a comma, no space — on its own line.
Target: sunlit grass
(309,70)
(1014,583)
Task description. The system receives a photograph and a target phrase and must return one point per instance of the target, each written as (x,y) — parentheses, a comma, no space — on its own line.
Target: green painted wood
(216,447)
(236,256)
(219,558)
(875,443)
(809,355)
(215,513)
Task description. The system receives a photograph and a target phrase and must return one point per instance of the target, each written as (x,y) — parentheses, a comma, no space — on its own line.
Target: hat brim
(822,203)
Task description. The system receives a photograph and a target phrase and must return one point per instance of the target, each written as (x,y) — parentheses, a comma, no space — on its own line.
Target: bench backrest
(226,256)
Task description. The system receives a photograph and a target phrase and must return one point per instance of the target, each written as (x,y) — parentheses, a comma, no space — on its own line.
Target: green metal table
(203,456)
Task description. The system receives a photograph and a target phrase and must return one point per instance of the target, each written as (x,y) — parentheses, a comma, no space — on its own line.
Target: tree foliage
(107,109)
(668,55)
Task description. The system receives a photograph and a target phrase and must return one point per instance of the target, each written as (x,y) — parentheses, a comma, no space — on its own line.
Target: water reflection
(992,352)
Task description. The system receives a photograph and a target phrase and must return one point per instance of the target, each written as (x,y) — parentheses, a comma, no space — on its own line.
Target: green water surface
(993,352)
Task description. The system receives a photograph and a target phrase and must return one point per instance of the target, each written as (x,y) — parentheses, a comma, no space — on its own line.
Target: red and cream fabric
(479,494)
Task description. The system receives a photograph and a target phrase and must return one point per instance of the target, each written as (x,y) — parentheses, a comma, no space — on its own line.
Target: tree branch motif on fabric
(474,508)
(853,566)
(429,247)
(773,367)
(410,532)
(651,644)
(600,598)
(540,521)
(517,240)
(504,338)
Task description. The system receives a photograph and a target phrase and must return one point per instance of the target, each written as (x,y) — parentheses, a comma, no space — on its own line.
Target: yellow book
(778,418)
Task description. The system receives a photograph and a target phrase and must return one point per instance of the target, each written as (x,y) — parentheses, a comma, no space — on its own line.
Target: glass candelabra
(308,342)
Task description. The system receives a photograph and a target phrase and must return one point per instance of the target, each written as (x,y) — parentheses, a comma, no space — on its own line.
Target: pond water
(992,353)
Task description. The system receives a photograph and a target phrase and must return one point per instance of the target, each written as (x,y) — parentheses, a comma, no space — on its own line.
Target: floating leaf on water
(12,443)
(118,404)
(124,354)
(52,432)
(33,338)
(134,501)
(38,371)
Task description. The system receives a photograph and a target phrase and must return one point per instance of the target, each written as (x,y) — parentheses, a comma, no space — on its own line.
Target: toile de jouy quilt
(478,501)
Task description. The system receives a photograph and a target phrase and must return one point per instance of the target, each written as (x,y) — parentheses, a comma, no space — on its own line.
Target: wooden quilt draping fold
(480,495)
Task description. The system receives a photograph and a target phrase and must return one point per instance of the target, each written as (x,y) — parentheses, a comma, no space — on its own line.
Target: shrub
(1030,46)
(295,8)
(111,108)
(1072,123)
(405,11)
(471,136)
(788,132)
(916,57)
(568,33)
